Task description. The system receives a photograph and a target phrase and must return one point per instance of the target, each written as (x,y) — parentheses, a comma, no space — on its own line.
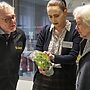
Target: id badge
(67,44)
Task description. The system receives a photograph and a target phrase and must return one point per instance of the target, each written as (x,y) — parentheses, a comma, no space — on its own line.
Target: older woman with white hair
(82,17)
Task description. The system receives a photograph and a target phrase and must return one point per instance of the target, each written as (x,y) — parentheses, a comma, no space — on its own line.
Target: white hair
(5,7)
(83,12)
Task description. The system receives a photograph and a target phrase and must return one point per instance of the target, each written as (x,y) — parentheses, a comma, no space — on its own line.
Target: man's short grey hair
(83,12)
(5,7)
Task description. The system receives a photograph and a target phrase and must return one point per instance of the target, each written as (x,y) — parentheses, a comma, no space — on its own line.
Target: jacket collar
(86,48)
(1,31)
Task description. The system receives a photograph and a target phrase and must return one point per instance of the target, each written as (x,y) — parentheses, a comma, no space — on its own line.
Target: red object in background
(26,64)
(23,64)
(30,65)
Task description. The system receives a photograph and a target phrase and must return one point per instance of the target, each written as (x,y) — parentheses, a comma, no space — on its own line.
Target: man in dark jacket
(12,43)
(82,16)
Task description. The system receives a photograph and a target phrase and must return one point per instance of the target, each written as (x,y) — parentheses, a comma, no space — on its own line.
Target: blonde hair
(5,7)
(83,12)
(60,3)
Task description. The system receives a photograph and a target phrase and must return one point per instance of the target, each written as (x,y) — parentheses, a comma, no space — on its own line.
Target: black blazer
(68,56)
(63,78)
(83,75)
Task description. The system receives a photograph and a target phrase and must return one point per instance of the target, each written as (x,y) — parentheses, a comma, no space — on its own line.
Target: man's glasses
(8,19)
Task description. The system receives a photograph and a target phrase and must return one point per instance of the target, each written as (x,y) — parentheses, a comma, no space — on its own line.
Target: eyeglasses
(8,19)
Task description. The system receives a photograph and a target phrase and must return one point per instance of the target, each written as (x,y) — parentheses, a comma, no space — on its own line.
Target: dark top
(83,75)
(63,78)
(10,54)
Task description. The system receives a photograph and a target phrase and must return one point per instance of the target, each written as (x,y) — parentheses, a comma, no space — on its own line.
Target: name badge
(67,44)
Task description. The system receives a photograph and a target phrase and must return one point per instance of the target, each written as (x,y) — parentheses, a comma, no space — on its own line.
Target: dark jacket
(83,75)
(64,78)
(10,54)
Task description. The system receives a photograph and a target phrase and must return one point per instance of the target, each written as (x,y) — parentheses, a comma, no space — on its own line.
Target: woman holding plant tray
(60,43)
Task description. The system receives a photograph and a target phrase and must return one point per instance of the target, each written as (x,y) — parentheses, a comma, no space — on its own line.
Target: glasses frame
(8,19)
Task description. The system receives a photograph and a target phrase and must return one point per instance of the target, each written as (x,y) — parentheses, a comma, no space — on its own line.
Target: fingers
(41,71)
(51,56)
(46,52)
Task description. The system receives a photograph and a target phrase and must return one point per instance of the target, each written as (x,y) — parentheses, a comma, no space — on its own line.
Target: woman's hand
(50,55)
(41,71)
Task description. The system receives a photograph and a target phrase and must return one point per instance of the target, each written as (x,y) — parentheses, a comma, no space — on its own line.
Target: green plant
(42,60)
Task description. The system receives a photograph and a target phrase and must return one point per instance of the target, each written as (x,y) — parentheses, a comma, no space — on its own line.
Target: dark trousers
(8,83)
